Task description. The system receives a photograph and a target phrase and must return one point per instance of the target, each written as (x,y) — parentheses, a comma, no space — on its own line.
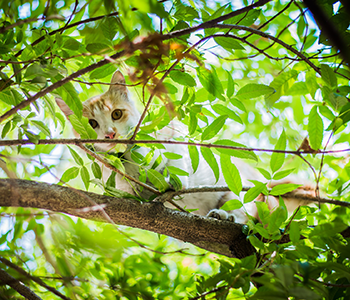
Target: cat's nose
(110,135)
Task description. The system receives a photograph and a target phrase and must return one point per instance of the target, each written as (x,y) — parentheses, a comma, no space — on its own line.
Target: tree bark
(222,237)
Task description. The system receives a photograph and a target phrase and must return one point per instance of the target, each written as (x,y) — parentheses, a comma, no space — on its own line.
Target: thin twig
(172,142)
(268,36)
(70,17)
(153,92)
(19,23)
(210,189)
(111,167)
(212,23)
(317,190)
(42,38)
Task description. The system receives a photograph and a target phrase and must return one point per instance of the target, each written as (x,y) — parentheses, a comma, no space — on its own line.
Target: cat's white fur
(100,108)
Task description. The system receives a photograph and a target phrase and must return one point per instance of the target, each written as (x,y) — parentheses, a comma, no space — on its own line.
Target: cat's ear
(64,107)
(118,83)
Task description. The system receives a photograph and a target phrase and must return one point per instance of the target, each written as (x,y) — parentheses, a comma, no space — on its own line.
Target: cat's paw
(220,215)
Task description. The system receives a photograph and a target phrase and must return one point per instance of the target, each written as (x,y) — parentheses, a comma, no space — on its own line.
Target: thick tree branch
(223,237)
(17,286)
(34,278)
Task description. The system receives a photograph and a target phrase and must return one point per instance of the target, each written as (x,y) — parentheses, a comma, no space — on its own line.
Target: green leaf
(256,242)
(328,76)
(232,205)
(311,83)
(277,218)
(69,174)
(329,229)
(254,90)
(97,47)
(96,170)
(42,127)
(281,84)
(82,127)
(336,100)
(17,70)
(6,129)
(76,157)
(211,160)
(277,159)
(182,78)
(298,88)
(294,232)
(102,72)
(315,129)
(263,211)
(177,171)
(231,174)
(109,27)
(233,152)
(31,136)
(194,155)
(230,85)
(181,25)
(116,162)
(175,182)
(185,13)
(70,96)
(171,155)
(71,44)
(223,110)
(85,176)
(211,82)
(326,112)
(228,43)
(265,173)
(235,102)
(193,123)
(213,129)
(111,190)
(283,188)
(282,174)
(172,89)
(157,180)
(262,231)
(254,192)
(11,97)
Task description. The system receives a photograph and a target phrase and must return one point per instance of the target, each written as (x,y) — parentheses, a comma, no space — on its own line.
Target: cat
(113,115)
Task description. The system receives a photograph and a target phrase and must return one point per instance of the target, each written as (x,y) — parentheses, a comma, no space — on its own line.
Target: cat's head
(113,114)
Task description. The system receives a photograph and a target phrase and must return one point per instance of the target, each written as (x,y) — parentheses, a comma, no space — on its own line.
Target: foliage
(265,78)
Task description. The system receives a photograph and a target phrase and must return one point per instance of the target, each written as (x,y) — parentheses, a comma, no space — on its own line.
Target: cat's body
(113,115)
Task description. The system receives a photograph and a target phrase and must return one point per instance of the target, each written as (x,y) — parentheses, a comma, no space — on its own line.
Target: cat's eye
(117,114)
(93,123)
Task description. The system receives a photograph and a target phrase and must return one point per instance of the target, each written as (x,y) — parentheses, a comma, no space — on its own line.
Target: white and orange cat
(113,115)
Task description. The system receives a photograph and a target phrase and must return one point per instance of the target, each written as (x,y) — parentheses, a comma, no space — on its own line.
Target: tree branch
(212,23)
(17,286)
(222,237)
(271,37)
(34,278)
(58,84)
(77,142)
